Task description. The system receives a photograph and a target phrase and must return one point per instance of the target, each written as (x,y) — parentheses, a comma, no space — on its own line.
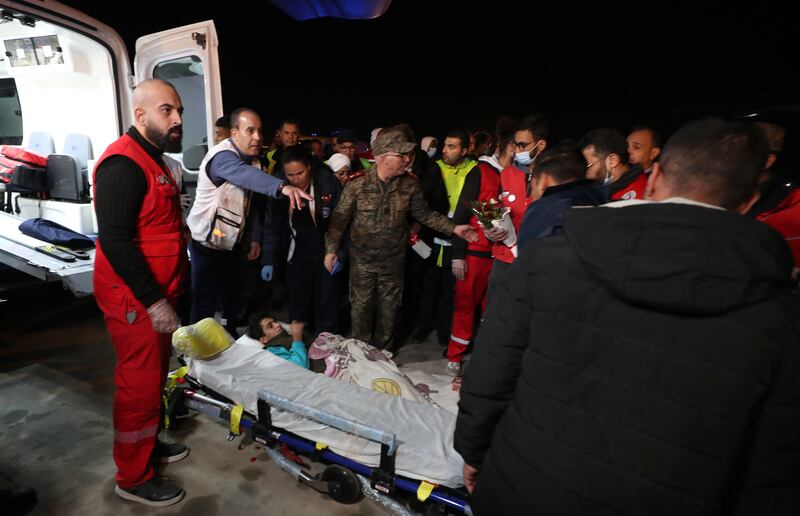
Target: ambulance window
(186,74)
(10,113)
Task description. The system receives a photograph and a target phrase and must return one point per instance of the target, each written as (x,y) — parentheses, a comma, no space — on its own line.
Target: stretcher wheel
(343,485)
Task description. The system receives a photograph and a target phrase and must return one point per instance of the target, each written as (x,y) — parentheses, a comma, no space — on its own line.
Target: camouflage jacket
(378,212)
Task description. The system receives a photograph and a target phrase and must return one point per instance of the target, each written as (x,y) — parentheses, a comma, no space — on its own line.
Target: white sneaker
(453,368)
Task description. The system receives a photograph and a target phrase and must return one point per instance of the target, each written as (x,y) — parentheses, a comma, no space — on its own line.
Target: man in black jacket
(647,360)
(559,183)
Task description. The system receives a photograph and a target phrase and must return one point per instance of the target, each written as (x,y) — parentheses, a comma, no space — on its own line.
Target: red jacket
(785,218)
(490,189)
(158,233)
(630,185)
(512,186)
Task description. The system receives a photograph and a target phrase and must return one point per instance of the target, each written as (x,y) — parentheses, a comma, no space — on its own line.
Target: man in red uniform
(606,154)
(139,266)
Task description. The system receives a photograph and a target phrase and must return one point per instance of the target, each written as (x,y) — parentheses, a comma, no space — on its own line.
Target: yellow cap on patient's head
(202,340)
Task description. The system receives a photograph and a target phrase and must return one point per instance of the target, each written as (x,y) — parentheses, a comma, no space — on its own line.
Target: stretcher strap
(236,417)
(172,378)
(424,490)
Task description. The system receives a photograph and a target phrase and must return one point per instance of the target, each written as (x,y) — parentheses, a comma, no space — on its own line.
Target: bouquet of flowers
(492,213)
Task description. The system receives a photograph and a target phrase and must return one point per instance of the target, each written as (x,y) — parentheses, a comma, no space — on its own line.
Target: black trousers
(435,308)
(216,283)
(313,295)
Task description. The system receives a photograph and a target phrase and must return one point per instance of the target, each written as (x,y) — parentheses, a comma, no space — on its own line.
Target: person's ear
(771,157)
(612,161)
(139,115)
(654,181)
(654,153)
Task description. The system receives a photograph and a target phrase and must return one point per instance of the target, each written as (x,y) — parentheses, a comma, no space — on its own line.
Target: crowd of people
(634,299)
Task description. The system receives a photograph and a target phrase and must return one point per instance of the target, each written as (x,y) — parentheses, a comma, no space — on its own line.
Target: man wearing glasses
(606,154)
(378,205)
(530,140)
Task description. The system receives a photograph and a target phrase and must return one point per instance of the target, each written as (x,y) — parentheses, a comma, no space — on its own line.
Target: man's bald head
(157,111)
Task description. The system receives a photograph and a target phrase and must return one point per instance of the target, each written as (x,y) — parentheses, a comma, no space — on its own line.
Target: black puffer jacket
(646,362)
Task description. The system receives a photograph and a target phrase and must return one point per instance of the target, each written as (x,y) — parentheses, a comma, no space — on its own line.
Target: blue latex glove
(337,267)
(266,273)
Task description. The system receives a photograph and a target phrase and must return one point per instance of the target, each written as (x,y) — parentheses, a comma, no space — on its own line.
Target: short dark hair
(461,135)
(292,121)
(563,162)
(654,135)
(223,122)
(237,113)
(606,141)
(299,152)
(537,124)
(722,160)
(254,330)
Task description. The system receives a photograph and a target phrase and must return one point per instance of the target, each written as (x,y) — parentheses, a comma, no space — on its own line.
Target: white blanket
(424,432)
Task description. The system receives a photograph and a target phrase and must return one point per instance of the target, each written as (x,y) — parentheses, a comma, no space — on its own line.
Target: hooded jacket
(646,361)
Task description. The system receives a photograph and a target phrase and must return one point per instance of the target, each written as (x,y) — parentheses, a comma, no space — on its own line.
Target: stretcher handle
(344,424)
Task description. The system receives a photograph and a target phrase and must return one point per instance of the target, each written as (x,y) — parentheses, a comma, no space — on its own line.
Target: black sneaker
(169,452)
(157,492)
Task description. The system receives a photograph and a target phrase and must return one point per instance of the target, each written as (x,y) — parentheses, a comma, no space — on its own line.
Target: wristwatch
(280,187)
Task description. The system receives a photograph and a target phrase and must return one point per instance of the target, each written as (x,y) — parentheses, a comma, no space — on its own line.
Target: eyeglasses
(593,163)
(522,145)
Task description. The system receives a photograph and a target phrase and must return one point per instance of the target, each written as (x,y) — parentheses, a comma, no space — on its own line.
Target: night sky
(443,64)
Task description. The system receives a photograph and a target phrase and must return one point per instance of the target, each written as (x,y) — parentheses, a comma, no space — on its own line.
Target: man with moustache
(228,175)
(139,265)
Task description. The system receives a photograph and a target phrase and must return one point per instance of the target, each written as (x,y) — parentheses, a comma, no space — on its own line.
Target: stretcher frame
(184,392)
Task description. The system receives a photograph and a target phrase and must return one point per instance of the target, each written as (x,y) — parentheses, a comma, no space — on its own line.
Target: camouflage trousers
(376,289)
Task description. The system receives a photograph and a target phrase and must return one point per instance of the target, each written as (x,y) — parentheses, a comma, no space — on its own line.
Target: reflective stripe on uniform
(459,341)
(136,435)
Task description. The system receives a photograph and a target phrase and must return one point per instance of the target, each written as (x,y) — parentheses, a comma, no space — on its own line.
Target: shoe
(453,368)
(166,453)
(157,492)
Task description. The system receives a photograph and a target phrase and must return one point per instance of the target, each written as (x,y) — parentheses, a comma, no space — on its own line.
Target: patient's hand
(297,330)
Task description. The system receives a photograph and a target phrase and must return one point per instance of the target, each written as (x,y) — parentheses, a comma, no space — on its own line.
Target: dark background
(443,64)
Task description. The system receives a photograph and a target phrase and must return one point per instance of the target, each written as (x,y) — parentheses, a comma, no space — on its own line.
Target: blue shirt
(297,354)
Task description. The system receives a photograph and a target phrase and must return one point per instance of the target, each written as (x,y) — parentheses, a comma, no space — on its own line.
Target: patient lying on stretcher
(348,360)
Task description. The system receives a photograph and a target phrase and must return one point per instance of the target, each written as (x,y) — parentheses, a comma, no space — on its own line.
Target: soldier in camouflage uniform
(378,205)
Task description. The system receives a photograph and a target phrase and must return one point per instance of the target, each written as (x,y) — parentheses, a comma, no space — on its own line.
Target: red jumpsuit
(785,218)
(142,354)
(471,291)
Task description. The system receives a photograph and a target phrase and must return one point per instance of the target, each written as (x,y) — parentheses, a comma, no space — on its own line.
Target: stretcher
(378,445)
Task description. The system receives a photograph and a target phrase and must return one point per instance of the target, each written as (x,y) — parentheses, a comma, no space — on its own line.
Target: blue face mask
(431,152)
(523,158)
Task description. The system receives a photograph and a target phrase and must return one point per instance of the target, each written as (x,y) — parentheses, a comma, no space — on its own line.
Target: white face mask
(431,152)
(524,158)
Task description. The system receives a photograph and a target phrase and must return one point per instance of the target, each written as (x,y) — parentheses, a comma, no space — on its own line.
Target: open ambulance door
(187,58)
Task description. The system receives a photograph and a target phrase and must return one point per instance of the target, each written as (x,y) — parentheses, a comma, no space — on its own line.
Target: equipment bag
(54,233)
(13,157)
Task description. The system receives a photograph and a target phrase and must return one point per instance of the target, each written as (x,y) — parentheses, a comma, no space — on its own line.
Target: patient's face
(271,328)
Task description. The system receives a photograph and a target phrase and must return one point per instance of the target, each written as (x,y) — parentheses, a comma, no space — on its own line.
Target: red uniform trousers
(469,294)
(142,364)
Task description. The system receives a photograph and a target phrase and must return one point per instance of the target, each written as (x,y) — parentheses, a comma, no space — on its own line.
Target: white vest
(218,214)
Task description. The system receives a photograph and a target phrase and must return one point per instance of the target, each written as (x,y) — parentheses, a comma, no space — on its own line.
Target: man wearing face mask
(606,154)
(530,140)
